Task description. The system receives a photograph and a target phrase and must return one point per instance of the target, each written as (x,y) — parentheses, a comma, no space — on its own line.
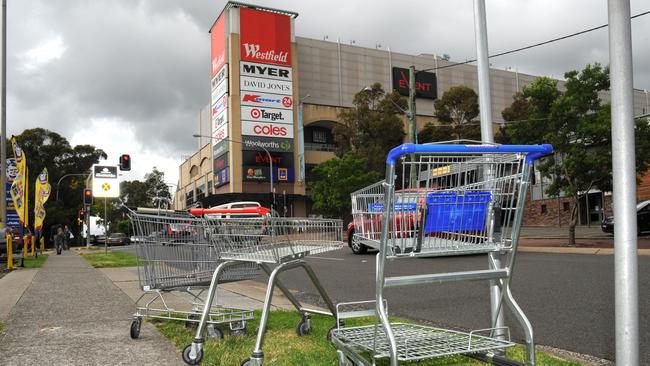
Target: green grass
(111,260)
(283,347)
(35,262)
(2,328)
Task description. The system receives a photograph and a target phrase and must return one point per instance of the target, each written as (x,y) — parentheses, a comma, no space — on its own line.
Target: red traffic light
(88,197)
(82,214)
(125,162)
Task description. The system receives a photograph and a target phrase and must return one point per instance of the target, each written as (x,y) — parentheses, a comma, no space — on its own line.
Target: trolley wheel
(135,328)
(331,330)
(356,246)
(238,332)
(214,332)
(304,326)
(246,362)
(186,356)
(190,323)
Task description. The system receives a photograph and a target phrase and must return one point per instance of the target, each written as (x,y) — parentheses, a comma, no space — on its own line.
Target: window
(189,198)
(566,206)
(319,136)
(200,192)
(544,209)
(209,187)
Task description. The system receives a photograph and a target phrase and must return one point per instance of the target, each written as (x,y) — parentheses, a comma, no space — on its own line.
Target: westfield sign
(253,52)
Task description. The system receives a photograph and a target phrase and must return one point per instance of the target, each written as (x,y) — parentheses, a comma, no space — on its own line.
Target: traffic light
(82,214)
(88,197)
(125,162)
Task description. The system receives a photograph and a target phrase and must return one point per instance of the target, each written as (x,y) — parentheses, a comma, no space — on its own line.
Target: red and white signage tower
(253,93)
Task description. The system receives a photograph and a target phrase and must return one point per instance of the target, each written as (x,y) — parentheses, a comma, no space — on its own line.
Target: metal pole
(88,212)
(412,123)
(624,196)
(3,115)
(65,176)
(487,135)
(484,98)
(105,228)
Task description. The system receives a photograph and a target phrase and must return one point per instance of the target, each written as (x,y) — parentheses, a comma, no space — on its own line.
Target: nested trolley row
(440,200)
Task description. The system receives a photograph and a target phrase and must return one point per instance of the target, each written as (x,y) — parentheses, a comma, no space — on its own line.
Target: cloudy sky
(129,76)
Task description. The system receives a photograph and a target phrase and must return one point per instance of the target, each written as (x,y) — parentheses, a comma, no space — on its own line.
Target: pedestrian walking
(66,237)
(58,240)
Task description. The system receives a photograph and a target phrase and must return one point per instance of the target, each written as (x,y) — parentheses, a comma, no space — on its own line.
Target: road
(569,298)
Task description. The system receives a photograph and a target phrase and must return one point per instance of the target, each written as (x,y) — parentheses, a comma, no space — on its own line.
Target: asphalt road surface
(569,298)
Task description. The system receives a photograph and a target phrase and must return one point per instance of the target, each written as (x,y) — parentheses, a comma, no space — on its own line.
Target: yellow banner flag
(19,186)
(42,191)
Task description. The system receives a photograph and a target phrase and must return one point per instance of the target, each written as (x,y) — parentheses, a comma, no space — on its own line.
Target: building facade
(272,119)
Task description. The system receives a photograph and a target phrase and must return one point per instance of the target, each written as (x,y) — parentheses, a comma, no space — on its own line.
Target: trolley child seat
(266,241)
(175,254)
(443,200)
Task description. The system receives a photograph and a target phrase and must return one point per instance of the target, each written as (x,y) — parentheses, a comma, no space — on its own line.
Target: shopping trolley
(175,253)
(283,242)
(440,200)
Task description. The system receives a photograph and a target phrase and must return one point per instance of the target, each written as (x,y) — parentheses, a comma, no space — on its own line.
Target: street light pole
(261,147)
(65,176)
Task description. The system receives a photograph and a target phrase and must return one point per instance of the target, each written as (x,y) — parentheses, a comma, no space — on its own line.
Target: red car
(368,225)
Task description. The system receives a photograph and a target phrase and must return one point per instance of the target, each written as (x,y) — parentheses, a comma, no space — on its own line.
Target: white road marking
(328,259)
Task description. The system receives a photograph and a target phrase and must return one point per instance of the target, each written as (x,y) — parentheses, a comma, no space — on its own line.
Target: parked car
(642,219)
(98,239)
(234,205)
(118,239)
(407,219)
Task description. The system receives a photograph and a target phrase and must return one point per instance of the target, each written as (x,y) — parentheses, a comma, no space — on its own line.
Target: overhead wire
(534,45)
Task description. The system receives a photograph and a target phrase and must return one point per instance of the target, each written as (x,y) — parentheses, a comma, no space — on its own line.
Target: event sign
(425,83)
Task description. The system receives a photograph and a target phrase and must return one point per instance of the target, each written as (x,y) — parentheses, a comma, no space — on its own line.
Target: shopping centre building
(275,99)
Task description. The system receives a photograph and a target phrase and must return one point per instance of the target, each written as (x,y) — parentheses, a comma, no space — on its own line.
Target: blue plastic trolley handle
(533,152)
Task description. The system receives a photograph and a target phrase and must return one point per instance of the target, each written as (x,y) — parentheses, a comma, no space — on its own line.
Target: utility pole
(626,271)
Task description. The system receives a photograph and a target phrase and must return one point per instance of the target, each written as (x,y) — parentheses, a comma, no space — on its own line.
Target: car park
(642,219)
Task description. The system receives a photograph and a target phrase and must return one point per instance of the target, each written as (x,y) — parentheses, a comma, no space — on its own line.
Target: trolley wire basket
(440,200)
(265,241)
(448,205)
(176,253)
(274,239)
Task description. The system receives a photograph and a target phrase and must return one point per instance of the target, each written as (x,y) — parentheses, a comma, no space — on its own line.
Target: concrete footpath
(71,314)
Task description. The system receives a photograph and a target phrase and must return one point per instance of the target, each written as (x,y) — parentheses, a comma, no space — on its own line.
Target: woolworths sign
(270,144)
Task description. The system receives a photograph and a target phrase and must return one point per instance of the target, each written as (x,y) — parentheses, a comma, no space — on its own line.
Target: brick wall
(554,213)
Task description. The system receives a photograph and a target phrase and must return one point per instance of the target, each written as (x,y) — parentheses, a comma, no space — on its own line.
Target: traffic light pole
(88,212)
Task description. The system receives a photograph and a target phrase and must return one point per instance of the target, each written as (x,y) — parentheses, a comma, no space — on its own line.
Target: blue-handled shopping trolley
(440,200)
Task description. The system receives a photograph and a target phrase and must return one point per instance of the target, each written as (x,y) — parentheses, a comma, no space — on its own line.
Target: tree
(372,127)
(578,125)
(157,189)
(335,179)
(457,108)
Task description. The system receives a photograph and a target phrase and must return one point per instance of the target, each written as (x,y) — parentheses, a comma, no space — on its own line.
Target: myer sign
(105,181)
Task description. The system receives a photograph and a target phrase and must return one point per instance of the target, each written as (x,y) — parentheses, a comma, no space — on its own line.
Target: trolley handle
(260,211)
(533,151)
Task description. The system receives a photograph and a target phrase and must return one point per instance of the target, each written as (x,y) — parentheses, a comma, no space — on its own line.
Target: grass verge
(284,347)
(35,262)
(111,259)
